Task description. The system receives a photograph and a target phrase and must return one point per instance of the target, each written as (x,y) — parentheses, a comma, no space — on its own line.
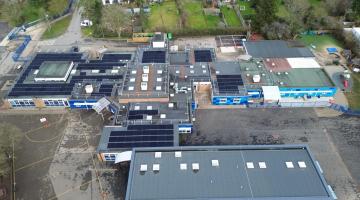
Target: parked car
(86,23)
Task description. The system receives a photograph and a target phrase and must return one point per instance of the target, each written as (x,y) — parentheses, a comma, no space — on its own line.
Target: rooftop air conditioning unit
(256,78)
(146,69)
(156,167)
(145,77)
(157,154)
(89,89)
(143,168)
(195,166)
(144,86)
(177,154)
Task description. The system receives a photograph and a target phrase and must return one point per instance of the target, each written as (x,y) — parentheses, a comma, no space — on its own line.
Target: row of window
(225,100)
(22,103)
(109,157)
(54,103)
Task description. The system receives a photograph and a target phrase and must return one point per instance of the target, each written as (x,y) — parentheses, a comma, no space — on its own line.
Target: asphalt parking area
(325,136)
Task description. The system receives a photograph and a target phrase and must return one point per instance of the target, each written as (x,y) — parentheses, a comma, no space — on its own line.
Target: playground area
(320,43)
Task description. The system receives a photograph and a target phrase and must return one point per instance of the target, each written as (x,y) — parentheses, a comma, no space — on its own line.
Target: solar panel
(140,132)
(154,57)
(140,144)
(145,112)
(134,117)
(229,83)
(150,127)
(203,56)
(112,57)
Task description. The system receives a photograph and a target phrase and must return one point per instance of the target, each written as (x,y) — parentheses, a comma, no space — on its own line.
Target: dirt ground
(58,161)
(333,141)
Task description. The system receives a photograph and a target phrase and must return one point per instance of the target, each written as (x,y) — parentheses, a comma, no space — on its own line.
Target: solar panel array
(47,89)
(154,57)
(229,83)
(21,89)
(139,114)
(202,56)
(115,57)
(99,65)
(142,136)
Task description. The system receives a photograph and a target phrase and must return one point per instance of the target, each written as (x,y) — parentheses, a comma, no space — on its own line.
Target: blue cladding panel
(308,92)
(84,104)
(229,100)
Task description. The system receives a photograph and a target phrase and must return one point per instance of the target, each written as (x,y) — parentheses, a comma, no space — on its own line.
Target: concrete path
(73,34)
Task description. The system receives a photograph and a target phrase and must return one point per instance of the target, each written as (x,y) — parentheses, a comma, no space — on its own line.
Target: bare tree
(9,135)
(115,19)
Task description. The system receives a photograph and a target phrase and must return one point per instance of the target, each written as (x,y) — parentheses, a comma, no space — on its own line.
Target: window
(236,100)
(57,103)
(223,100)
(22,103)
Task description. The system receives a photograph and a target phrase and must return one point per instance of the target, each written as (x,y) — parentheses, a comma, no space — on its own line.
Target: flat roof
(53,69)
(312,77)
(243,172)
(276,49)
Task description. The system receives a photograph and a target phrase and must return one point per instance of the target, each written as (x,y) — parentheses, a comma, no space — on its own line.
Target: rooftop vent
(267,60)
(136,107)
(286,73)
(262,165)
(163,116)
(158,88)
(177,71)
(149,107)
(158,79)
(302,164)
(183,166)
(95,71)
(144,86)
(191,66)
(156,167)
(192,71)
(159,71)
(217,72)
(149,117)
(289,165)
(143,168)
(171,105)
(178,154)
(259,66)
(195,166)
(279,73)
(133,72)
(203,66)
(250,165)
(131,88)
(157,154)
(72,71)
(215,163)
(273,64)
(114,71)
(132,79)
(204,71)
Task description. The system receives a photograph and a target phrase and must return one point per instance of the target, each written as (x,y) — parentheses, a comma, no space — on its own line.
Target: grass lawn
(194,14)
(282,11)
(87,31)
(315,2)
(57,28)
(248,9)
(212,21)
(164,15)
(230,16)
(354,96)
(321,42)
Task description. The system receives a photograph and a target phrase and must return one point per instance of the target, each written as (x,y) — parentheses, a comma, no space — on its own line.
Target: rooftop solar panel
(203,56)
(154,57)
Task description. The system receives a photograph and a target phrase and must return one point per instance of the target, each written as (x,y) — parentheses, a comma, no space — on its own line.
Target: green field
(321,42)
(230,16)
(248,9)
(163,16)
(195,18)
(57,28)
(354,96)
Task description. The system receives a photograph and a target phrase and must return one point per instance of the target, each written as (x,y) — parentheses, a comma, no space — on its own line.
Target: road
(73,34)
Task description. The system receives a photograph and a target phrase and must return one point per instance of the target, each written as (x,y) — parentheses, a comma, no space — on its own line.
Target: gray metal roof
(275,49)
(231,179)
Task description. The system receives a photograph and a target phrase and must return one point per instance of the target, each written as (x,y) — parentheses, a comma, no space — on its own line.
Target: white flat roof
(271,93)
(303,63)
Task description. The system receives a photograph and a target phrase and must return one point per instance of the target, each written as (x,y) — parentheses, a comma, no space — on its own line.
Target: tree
(356,7)
(337,7)
(277,30)
(265,12)
(115,19)
(56,7)
(9,135)
(139,2)
(11,11)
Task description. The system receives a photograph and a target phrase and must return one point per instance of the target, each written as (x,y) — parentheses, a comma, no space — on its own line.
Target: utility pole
(13,171)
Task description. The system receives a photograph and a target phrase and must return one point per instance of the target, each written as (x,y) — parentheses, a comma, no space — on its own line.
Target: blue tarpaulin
(331,50)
